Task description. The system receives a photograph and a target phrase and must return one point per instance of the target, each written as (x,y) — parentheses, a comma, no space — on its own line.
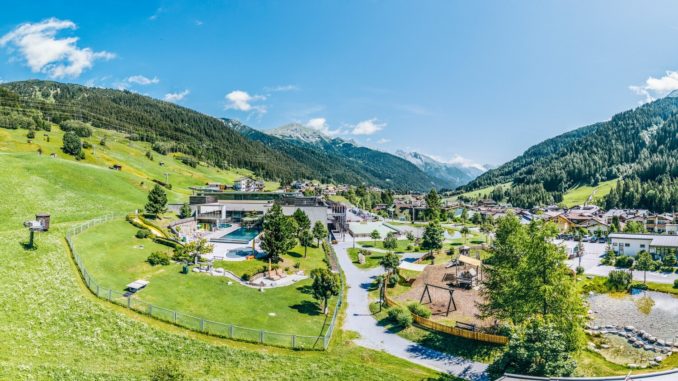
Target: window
(642,245)
(627,244)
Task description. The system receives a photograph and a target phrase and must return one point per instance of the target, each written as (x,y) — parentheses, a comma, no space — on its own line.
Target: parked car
(602,240)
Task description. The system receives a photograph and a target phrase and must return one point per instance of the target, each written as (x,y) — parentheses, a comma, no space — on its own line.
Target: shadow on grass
(307,307)
(26,245)
(307,289)
(294,254)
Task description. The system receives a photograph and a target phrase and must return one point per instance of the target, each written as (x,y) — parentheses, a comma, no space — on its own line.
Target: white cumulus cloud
(367,127)
(176,97)
(242,101)
(654,88)
(44,52)
(142,80)
(321,125)
(460,161)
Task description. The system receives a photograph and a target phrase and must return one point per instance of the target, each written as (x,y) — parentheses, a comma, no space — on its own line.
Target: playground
(451,292)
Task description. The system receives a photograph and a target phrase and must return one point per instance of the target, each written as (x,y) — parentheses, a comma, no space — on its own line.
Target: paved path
(374,336)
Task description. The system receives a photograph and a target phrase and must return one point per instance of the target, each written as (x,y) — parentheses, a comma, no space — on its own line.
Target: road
(372,335)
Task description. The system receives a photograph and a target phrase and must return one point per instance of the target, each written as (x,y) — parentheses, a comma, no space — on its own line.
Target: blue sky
(477,81)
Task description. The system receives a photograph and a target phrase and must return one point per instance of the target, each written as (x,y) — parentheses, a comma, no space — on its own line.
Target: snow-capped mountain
(456,172)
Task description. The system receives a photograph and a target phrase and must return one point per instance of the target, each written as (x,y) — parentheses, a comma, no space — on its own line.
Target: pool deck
(220,248)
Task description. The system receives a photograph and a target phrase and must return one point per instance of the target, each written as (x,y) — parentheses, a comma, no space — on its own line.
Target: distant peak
(673,94)
(299,132)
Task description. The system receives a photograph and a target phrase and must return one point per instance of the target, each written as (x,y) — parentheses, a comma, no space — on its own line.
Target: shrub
(675,283)
(245,277)
(143,233)
(86,144)
(624,262)
(619,280)
(158,258)
(393,280)
(580,270)
(190,161)
(419,310)
(102,142)
(666,269)
(149,155)
(400,316)
(409,247)
(30,134)
(81,129)
(167,372)
(639,286)
(609,258)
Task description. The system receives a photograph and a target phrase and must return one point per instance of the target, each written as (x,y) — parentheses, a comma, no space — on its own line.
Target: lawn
(581,194)
(482,192)
(114,257)
(371,261)
(54,329)
(401,248)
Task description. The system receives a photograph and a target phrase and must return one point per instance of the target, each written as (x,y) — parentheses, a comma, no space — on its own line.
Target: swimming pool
(224,226)
(240,235)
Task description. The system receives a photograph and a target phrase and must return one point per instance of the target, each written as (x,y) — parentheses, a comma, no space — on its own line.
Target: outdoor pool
(224,226)
(240,235)
(241,253)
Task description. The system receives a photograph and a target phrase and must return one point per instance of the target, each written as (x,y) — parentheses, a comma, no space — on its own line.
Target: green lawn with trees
(53,328)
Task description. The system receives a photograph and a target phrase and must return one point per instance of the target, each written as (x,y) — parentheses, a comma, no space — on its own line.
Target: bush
(30,134)
(400,317)
(167,372)
(624,262)
(419,310)
(158,258)
(639,286)
(86,144)
(81,129)
(609,258)
(149,155)
(619,280)
(102,142)
(666,269)
(143,233)
(393,280)
(580,270)
(409,247)
(675,283)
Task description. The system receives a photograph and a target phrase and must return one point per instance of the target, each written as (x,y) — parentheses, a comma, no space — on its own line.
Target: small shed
(136,285)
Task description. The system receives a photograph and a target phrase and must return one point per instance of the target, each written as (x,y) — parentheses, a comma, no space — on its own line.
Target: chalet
(657,223)
(595,225)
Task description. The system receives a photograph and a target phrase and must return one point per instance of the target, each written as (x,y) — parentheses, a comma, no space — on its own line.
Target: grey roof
(665,241)
(633,236)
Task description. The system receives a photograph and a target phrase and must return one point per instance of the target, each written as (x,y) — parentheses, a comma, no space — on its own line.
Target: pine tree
(157,201)
(278,236)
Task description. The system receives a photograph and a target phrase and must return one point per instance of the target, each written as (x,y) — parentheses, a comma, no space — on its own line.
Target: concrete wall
(630,246)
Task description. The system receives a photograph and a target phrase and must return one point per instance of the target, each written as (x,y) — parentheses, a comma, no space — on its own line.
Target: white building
(632,244)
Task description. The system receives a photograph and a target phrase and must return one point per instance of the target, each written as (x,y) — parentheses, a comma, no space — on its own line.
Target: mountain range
(454,174)
(342,160)
(288,153)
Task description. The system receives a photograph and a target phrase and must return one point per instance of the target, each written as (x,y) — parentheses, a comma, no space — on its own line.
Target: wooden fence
(467,334)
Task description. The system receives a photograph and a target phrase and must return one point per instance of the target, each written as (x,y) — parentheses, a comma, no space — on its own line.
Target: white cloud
(45,53)
(176,97)
(657,87)
(281,88)
(367,127)
(198,23)
(242,101)
(460,161)
(383,141)
(142,80)
(157,13)
(321,125)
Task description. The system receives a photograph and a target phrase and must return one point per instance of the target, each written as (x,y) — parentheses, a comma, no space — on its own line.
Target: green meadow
(55,329)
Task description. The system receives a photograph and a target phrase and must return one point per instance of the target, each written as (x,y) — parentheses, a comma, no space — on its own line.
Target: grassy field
(579,195)
(54,329)
(482,192)
(114,257)
(141,171)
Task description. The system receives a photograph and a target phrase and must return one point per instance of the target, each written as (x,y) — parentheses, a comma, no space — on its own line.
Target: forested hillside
(172,128)
(343,161)
(638,146)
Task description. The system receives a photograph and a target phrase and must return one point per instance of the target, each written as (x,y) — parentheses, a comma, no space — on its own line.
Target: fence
(196,323)
(472,335)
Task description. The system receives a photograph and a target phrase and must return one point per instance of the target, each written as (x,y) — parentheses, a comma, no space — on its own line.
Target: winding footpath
(373,336)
